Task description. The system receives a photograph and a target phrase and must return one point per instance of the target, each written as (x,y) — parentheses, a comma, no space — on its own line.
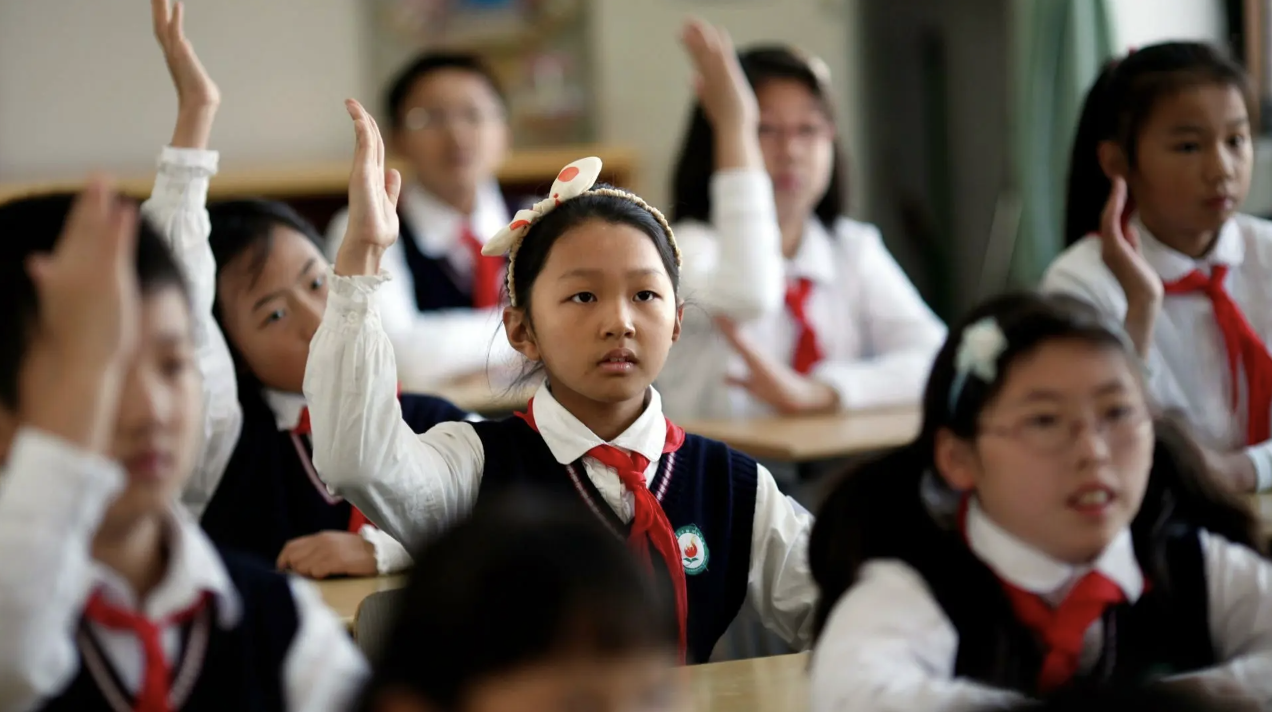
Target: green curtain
(1059,48)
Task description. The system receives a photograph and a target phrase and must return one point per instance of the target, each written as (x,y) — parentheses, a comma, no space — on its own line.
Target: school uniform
(439,312)
(934,627)
(739,537)
(1188,363)
(253,487)
(230,634)
(840,310)
(270,493)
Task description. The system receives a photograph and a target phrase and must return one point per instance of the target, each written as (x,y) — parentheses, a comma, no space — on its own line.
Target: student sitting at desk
(595,308)
(441,309)
(268,289)
(1041,533)
(818,315)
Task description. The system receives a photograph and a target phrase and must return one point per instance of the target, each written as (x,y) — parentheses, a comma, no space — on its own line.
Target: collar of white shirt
(193,568)
(437,226)
(568,439)
(1025,567)
(286,407)
(1229,249)
(815,258)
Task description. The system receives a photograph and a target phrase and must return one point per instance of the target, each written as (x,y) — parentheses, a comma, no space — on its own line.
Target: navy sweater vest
(1165,632)
(432,278)
(265,498)
(705,489)
(241,668)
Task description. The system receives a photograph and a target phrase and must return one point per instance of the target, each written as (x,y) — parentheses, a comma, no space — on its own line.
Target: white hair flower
(979,348)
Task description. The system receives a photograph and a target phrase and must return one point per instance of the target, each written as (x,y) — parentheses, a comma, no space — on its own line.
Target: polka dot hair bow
(573,180)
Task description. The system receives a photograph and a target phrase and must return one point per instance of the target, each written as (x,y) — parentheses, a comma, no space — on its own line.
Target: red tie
(1241,343)
(153,695)
(486,272)
(356,518)
(807,352)
(649,523)
(1062,629)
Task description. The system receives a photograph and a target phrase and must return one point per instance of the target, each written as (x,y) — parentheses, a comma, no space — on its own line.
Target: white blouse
(888,647)
(414,486)
(52,498)
(877,336)
(1187,363)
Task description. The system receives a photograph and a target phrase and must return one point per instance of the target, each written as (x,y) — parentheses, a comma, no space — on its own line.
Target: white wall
(82,82)
(643,77)
(1141,22)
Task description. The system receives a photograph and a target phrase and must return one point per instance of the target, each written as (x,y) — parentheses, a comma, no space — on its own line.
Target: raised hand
(373,196)
(722,88)
(775,383)
(88,320)
(197,95)
(1120,250)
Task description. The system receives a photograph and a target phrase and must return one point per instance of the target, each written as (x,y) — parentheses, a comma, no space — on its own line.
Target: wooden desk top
(343,595)
(477,395)
(818,437)
(527,166)
(776,684)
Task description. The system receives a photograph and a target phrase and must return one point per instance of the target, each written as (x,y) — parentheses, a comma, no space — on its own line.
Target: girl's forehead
(603,245)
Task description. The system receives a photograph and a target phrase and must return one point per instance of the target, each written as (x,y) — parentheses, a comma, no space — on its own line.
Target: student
(594,301)
(1041,532)
(271,290)
(441,311)
(529,605)
(263,276)
(759,218)
(1167,132)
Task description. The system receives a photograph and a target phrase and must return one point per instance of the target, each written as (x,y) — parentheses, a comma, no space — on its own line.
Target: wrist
(358,260)
(194,124)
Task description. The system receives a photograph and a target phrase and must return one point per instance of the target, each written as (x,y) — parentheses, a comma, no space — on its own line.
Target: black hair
(424,65)
(539,239)
(881,503)
(691,181)
(1139,698)
(1119,105)
(528,577)
(33,225)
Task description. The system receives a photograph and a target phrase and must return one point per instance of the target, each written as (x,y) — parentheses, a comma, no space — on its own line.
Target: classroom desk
(344,594)
(809,438)
(476,395)
(776,684)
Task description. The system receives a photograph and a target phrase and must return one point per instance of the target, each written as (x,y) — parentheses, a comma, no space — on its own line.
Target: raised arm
(178,209)
(733,267)
(57,481)
(409,485)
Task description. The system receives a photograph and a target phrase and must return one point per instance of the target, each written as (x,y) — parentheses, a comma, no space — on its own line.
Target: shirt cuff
(57,471)
(390,556)
(183,175)
(746,189)
(1261,456)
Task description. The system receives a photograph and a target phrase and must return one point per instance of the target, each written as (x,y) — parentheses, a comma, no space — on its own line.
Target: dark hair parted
(691,181)
(247,226)
(601,204)
(424,65)
(1119,105)
(878,510)
(30,226)
(528,578)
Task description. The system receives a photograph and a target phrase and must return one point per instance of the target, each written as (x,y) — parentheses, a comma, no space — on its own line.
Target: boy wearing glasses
(442,309)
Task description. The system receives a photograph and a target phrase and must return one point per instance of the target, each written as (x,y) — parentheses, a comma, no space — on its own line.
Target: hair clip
(980,346)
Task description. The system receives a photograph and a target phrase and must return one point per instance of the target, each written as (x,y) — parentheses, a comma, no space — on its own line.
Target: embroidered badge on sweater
(693,549)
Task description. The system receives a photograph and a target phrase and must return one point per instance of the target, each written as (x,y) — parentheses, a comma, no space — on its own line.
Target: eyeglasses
(422,119)
(805,132)
(1052,434)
